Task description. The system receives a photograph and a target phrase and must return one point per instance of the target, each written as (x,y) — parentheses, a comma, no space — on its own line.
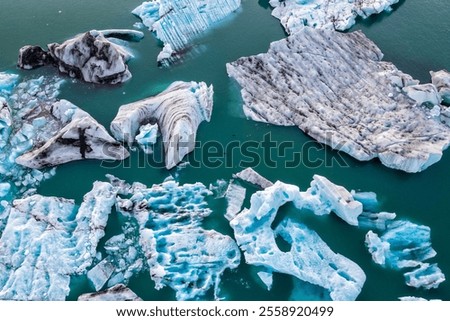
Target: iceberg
(334,198)
(314,79)
(251,176)
(177,23)
(178,111)
(403,244)
(441,79)
(56,240)
(147,137)
(235,196)
(118,292)
(427,276)
(309,257)
(100,274)
(179,253)
(80,137)
(325,14)
(91,56)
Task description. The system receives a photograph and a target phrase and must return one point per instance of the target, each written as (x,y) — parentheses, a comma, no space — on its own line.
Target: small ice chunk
(427,276)
(425,93)
(4,189)
(235,196)
(99,274)
(147,137)
(267,278)
(251,176)
(118,292)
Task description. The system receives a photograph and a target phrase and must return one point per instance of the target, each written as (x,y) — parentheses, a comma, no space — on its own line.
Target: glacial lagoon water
(415,36)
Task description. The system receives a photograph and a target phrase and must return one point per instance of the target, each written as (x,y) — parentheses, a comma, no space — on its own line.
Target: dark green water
(415,37)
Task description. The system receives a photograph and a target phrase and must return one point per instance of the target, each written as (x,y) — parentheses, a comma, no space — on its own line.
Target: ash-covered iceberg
(251,176)
(79,137)
(325,14)
(405,245)
(177,23)
(163,235)
(308,259)
(118,292)
(48,239)
(336,89)
(178,111)
(93,56)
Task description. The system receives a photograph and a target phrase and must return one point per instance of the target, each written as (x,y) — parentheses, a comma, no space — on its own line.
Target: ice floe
(177,23)
(251,176)
(178,111)
(309,258)
(325,14)
(336,89)
(56,240)
(118,292)
(90,56)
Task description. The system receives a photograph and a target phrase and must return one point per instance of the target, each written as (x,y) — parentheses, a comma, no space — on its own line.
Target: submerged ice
(405,245)
(178,23)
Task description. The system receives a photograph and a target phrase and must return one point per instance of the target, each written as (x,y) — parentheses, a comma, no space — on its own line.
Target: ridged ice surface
(48,239)
(178,22)
(405,245)
(178,111)
(325,14)
(163,235)
(309,257)
(336,89)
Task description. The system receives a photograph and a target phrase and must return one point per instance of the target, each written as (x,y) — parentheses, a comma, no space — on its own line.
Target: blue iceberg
(309,258)
(163,234)
(178,22)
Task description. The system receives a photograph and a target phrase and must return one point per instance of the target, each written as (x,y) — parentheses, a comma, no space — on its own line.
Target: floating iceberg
(325,14)
(441,79)
(166,220)
(235,196)
(336,89)
(80,137)
(178,23)
(118,292)
(100,274)
(403,244)
(308,259)
(91,56)
(427,276)
(178,111)
(251,176)
(46,240)
(406,245)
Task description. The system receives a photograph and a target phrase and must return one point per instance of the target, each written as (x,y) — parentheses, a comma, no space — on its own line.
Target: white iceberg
(178,111)
(177,23)
(56,240)
(235,196)
(325,14)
